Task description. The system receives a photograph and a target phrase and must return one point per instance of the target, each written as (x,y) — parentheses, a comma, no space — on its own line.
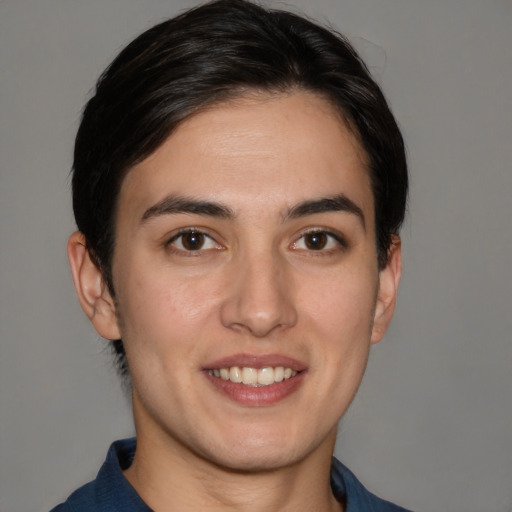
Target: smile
(252,376)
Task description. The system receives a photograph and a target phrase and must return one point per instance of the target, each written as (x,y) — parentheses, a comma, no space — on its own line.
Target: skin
(256,287)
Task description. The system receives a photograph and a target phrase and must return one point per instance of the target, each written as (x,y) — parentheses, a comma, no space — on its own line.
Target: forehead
(260,149)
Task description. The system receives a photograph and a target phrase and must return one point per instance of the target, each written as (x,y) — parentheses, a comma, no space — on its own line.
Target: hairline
(234,97)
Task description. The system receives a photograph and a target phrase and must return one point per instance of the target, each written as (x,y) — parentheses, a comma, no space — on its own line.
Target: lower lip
(257,396)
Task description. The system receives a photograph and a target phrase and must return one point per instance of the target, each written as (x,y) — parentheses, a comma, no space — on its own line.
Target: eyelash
(192,252)
(331,238)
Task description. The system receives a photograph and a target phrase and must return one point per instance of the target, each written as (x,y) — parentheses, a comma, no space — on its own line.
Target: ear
(389,277)
(91,289)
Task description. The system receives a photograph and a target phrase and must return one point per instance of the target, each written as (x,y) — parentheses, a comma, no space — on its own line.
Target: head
(257,126)
(211,55)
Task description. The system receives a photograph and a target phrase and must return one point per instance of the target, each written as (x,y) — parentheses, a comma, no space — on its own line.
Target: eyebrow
(172,205)
(337,203)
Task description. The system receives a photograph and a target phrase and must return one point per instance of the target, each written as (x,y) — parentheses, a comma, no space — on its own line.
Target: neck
(168,477)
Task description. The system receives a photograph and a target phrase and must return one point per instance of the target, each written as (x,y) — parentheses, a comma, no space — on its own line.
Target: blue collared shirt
(111,491)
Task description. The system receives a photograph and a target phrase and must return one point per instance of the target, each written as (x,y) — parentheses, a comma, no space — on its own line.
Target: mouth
(253,380)
(254,377)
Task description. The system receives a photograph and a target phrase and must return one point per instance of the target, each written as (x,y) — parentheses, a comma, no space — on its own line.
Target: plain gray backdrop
(432,425)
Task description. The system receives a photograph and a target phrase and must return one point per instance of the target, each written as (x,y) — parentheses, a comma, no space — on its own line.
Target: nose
(259,297)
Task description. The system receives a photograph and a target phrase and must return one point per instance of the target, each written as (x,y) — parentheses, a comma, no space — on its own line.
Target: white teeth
(235,375)
(252,376)
(266,376)
(279,374)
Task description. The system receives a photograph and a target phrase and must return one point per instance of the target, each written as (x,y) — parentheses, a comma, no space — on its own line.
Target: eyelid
(188,252)
(340,239)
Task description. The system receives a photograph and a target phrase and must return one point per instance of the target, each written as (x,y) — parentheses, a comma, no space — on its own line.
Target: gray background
(432,425)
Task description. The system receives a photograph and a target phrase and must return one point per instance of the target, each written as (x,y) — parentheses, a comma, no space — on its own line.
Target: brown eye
(192,241)
(319,241)
(316,241)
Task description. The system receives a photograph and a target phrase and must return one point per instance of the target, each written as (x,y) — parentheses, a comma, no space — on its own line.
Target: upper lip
(256,361)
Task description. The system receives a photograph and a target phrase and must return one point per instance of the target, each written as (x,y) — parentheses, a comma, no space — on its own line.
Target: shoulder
(110,491)
(355,495)
(82,500)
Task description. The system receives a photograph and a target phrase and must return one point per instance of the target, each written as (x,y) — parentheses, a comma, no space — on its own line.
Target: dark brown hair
(211,54)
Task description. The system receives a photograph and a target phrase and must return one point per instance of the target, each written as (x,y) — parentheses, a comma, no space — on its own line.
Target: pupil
(193,241)
(316,241)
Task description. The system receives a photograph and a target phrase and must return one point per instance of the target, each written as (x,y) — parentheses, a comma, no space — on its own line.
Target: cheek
(155,307)
(342,303)
(161,328)
(339,316)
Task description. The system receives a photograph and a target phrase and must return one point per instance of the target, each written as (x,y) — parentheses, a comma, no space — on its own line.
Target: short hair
(205,56)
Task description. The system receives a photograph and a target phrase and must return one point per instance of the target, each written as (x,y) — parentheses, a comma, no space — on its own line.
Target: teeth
(279,374)
(252,376)
(266,376)
(235,375)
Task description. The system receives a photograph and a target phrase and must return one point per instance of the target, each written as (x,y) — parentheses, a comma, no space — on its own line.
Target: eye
(193,241)
(318,241)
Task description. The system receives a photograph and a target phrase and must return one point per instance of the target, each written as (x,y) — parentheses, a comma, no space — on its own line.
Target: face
(247,286)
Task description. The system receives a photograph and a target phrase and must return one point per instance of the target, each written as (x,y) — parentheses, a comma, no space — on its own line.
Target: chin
(252,454)
(254,461)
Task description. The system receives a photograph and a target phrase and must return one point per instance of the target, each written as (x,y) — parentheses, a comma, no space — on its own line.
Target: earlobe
(389,278)
(91,289)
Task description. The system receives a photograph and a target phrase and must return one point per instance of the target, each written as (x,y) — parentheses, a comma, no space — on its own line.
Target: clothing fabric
(111,491)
